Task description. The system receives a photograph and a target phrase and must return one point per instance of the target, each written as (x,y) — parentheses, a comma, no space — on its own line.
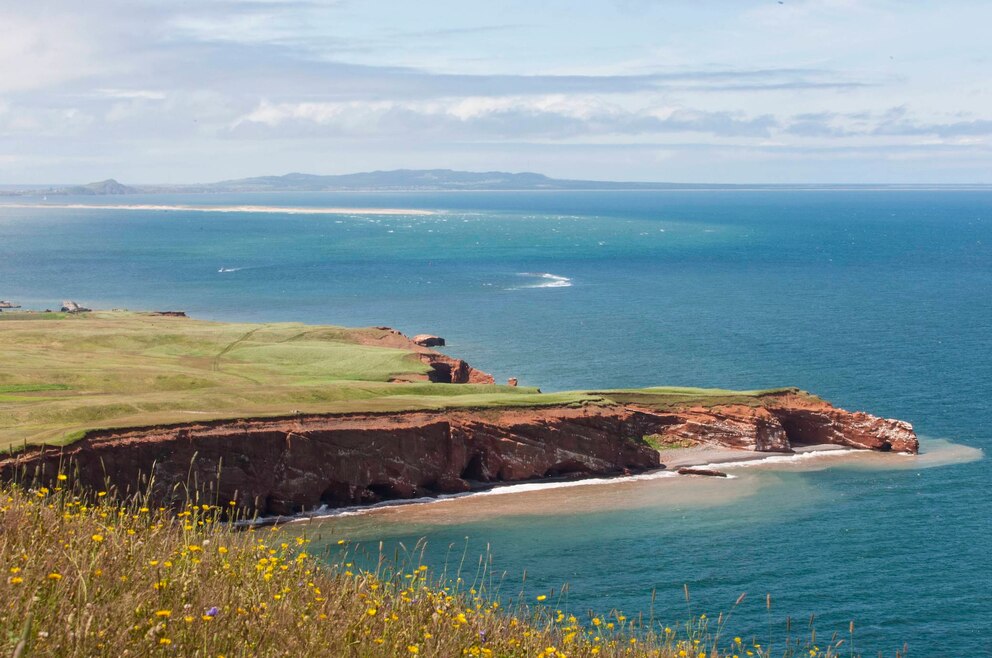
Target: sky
(709,91)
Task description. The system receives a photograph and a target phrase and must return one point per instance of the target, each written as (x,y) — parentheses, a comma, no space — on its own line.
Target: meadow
(66,374)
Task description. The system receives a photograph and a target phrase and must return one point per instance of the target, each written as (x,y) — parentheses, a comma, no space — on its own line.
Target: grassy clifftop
(64,374)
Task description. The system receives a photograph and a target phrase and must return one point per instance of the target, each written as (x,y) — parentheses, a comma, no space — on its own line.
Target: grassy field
(87,574)
(61,375)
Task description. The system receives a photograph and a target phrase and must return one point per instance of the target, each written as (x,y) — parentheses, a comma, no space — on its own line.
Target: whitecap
(547,280)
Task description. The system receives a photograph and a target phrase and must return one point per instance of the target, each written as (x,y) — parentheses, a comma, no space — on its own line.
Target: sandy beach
(590,494)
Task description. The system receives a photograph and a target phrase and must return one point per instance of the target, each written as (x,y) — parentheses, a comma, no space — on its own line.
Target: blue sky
(746,91)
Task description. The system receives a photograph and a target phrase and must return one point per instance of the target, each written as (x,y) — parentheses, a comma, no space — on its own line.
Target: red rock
(512,381)
(701,471)
(428,340)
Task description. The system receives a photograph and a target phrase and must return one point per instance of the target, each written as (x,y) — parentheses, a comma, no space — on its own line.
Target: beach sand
(286,210)
(747,471)
(663,486)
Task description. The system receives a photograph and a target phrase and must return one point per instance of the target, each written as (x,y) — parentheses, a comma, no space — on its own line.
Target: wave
(795,458)
(548,280)
(230,269)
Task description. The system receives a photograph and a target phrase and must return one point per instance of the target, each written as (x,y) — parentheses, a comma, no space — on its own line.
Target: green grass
(666,398)
(25,315)
(31,388)
(86,573)
(65,374)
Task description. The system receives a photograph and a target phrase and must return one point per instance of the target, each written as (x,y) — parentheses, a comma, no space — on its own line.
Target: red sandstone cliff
(286,465)
(790,419)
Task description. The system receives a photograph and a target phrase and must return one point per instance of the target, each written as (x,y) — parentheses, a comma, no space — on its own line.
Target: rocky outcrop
(443,368)
(784,420)
(856,430)
(732,426)
(69,306)
(708,472)
(428,340)
(448,370)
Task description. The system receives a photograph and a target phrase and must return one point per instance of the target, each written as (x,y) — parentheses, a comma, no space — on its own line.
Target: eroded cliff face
(289,465)
(785,420)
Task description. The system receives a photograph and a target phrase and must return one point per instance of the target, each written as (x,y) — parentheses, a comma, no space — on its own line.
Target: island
(286,418)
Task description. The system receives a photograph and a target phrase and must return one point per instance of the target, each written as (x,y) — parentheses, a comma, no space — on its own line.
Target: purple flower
(212,612)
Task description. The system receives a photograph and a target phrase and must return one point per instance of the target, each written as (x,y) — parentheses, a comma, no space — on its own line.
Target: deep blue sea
(876,300)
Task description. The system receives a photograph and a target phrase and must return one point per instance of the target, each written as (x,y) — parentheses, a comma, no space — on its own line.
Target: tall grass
(85,574)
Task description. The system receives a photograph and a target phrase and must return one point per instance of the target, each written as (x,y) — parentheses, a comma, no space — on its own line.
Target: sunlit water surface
(875,300)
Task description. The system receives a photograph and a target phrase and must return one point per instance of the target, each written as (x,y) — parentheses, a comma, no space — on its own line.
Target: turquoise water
(876,300)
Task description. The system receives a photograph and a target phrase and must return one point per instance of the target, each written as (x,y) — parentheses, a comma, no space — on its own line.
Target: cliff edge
(296,464)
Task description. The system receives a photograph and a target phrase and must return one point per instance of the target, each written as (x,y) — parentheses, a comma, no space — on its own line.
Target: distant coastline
(434,180)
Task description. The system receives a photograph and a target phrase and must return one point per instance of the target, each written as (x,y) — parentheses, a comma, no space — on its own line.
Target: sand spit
(284,210)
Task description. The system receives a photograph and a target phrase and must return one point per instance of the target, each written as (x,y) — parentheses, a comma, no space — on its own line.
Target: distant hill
(109,186)
(398,179)
(421,179)
(100,188)
(412,179)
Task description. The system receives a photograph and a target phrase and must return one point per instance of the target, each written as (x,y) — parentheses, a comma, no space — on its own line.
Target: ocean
(876,300)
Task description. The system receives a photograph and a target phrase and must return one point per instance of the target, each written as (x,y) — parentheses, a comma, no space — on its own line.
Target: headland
(286,418)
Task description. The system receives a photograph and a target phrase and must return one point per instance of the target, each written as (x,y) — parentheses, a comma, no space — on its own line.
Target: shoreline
(703,456)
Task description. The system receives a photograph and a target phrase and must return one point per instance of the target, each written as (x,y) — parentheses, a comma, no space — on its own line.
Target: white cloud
(141,82)
(142,94)
(556,116)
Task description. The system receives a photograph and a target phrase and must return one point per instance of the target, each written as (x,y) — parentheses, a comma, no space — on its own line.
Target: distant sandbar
(287,210)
